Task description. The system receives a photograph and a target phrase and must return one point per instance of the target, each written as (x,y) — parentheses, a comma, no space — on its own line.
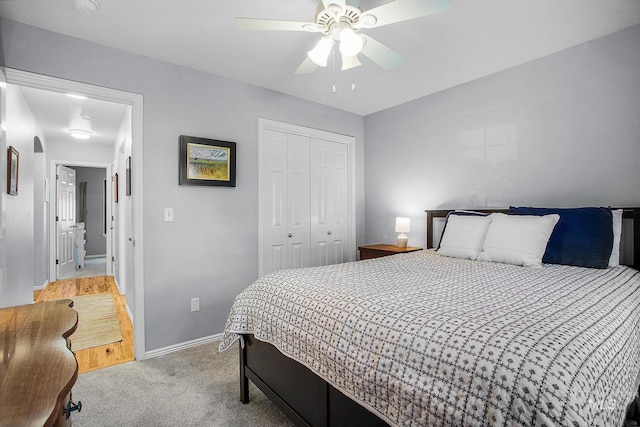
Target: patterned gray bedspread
(422,339)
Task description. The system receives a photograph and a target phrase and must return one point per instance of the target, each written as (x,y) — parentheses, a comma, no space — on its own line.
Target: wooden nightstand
(376,251)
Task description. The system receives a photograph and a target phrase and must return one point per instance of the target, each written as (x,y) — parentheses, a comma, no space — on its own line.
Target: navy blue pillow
(583,236)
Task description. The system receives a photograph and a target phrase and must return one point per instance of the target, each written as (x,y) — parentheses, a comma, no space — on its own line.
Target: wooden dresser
(37,368)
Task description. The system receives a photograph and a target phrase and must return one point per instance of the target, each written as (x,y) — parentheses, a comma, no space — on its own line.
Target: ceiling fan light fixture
(349,62)
(350,43)
(80,133)
(320,53)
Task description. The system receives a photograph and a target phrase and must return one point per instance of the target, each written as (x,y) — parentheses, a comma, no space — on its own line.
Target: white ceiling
(57,113)
(473,39)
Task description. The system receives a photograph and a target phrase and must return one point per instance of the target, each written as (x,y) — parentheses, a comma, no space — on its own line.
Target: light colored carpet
(92,267)
(193,387)
(98,322)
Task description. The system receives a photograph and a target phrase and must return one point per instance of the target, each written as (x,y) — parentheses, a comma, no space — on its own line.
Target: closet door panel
(329,202)
(274,213)
(298,201)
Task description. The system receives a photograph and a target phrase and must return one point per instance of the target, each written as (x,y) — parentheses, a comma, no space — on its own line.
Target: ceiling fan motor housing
(334,19)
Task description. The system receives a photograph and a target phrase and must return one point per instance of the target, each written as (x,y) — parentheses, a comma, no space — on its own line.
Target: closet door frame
(266,125)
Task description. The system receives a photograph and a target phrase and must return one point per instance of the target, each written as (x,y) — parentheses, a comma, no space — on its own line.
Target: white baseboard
(129,313)
(182,346)
(41,287)
(115,279)
(95,256)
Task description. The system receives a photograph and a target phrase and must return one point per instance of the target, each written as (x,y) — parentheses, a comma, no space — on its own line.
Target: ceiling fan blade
(403,10)
(272,24)
(381,54)
(307,66)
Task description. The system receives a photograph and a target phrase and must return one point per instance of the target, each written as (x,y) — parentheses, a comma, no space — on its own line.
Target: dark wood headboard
(632,214)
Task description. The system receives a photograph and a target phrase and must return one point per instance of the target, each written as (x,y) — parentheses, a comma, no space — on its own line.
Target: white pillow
(614,260)
(464,236)
(518,239)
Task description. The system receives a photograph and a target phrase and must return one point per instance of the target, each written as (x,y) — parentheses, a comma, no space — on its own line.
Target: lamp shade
(320,53)
(403,225)
(350,43)
(349,62)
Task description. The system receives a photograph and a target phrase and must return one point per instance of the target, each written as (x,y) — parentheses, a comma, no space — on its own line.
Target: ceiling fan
(340,21)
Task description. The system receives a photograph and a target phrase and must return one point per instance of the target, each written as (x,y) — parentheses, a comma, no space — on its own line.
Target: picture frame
(13,166)
(205,161)
(128,172)
(115,188)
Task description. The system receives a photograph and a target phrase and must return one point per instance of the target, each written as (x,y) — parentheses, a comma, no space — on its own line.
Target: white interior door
(285,201)
(329,202)
(65,219)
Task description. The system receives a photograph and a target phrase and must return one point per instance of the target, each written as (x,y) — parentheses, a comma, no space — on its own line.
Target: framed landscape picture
(207,162)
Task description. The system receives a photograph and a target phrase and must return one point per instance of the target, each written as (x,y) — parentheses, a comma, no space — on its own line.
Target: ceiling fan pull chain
(353,82)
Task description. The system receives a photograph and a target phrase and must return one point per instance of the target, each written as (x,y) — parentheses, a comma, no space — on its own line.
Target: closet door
(285,207)
(329,202)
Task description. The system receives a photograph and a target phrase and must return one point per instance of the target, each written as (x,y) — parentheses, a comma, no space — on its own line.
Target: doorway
(83,218)
(134,261)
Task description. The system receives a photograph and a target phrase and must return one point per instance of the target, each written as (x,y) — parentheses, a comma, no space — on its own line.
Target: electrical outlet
(195,304)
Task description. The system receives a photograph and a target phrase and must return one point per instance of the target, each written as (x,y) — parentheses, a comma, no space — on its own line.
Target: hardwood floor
(103,356)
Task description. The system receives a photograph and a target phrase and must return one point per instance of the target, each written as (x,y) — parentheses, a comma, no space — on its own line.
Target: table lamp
(403,225)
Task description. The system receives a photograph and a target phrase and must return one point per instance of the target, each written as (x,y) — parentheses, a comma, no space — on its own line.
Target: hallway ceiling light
(81,127)
(80,133)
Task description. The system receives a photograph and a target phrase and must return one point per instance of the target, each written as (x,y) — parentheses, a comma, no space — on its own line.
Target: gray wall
(561,131)
(96,239)
(190,257)
(20,213)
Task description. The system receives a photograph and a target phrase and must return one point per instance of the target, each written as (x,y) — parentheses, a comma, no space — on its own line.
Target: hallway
(103,356)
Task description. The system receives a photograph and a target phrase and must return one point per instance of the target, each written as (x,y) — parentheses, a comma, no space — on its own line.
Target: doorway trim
(53,167)
(24,78)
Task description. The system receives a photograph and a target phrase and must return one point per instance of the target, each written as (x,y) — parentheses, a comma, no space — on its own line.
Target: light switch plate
(168,214)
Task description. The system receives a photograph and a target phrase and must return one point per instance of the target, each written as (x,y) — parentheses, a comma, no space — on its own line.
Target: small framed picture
(13,164)
(115,188)
(207,162)
(128,171)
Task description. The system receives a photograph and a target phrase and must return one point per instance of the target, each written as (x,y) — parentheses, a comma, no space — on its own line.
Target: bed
(428,339)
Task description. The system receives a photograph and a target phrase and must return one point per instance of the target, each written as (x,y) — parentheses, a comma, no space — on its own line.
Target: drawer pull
(72,406)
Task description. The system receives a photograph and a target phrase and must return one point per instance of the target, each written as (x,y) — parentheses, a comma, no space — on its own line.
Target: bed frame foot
(244,381)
